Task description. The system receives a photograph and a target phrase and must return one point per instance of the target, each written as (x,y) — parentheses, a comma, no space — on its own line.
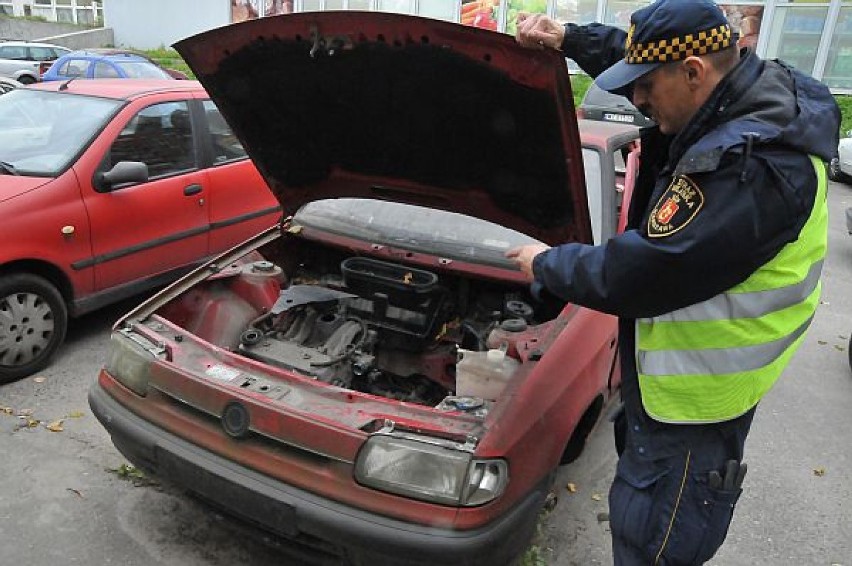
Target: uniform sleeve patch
(678,206)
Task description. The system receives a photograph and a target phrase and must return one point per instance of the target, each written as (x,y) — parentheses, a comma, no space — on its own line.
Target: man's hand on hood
(523,257)
(539,31)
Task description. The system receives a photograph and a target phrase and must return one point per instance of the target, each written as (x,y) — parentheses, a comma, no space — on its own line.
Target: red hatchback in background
(373,380)
(109,188)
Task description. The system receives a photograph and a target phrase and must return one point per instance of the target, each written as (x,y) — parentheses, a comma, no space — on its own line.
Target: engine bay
(379,327)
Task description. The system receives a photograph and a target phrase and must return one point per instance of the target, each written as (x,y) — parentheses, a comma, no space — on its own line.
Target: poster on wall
(745,21)
(242,10)
(480,13)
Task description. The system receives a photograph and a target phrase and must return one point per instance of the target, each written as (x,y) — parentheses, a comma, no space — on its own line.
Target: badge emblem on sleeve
(678,206)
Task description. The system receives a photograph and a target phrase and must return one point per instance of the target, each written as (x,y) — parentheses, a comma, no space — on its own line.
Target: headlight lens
(429,471)
(130,362)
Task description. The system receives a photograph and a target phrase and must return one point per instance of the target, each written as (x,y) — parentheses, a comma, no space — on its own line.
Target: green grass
(170,59)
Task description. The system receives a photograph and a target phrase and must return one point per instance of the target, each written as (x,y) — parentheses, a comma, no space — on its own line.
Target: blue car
(89,65)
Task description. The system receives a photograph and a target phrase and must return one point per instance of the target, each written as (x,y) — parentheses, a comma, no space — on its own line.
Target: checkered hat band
(675,49)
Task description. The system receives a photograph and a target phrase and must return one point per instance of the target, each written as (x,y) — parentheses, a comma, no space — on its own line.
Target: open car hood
(394,107)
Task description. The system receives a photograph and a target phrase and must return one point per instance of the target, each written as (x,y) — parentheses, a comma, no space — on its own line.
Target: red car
(373,380)
(108,189)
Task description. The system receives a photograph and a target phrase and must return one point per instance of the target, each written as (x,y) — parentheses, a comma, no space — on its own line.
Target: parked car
(7,84)
(373,379)
(89,65)
(110,188)
(26,62)
(599,104)
(173,73)
(840,168)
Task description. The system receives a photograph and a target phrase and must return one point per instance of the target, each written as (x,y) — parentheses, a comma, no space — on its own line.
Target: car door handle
(190,190)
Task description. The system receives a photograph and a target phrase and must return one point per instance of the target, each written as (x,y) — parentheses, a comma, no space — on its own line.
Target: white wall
(160,23)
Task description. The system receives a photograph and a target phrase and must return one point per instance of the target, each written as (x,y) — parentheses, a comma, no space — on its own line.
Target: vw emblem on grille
(235,420)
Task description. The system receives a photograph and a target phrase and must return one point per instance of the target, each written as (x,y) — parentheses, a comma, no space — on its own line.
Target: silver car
(25,62)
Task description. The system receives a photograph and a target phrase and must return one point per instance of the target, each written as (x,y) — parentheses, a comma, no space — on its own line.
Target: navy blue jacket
(747,150)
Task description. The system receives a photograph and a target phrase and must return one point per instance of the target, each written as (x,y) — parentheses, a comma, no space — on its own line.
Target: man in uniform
(716,277)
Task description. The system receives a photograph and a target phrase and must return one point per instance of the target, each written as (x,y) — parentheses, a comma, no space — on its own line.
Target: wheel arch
(577,440)
(46,270)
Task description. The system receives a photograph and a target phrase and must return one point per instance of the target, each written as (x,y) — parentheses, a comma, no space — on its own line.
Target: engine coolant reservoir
(484,374)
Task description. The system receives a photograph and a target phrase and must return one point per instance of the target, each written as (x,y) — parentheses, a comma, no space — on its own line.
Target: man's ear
(695,69)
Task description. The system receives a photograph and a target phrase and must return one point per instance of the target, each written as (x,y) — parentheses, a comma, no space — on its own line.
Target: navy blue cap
(668,30)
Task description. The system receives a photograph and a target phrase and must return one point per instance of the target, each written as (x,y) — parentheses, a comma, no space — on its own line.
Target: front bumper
(320,525)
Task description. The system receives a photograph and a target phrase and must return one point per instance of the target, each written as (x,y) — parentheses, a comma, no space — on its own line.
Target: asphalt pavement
(67,498)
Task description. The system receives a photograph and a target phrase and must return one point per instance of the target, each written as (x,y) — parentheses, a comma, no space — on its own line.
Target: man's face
(664,95)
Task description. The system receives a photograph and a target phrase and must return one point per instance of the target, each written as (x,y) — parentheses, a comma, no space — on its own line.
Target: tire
(26,80)
(834,172)
(33,322)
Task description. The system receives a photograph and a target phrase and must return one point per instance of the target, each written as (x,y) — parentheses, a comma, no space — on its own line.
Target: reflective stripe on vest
(714,360)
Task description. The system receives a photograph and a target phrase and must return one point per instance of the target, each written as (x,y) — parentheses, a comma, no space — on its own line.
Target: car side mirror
(122,172)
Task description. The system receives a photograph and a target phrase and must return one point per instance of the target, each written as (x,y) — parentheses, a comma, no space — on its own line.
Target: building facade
(81,12)
(814,36)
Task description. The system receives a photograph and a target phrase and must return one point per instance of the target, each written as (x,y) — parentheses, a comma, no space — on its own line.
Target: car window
(105,71)
(141,70)
(41,132)
(13,52)
(594,190)
(41,53)
(160,136)
(74,68)
(226,146)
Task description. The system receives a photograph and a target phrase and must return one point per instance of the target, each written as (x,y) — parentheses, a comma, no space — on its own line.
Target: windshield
(141,70)
(42,132)
(437,232)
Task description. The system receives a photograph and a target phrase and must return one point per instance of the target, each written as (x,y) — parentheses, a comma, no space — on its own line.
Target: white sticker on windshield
(222,373)
(495,243)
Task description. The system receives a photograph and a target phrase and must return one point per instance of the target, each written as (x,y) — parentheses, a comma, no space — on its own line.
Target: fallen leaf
(842,337)
(840,348)
(603,517)
(39,379)
(31,422)
(822,342)
(76,415)
(7,410)
(824,303)
(596,497)
(819,472)
(55,426)
(75,491)
(571,487)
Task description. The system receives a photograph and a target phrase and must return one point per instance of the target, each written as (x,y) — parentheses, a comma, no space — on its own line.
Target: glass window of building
(795,34)
(618,12)
(838,66)
(334,4)
(515,6)
(398,6)
(359,5)
(576,11)
(438,9)
(7,9)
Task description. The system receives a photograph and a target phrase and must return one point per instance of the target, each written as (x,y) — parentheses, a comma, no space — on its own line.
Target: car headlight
(430,471)
(130,360)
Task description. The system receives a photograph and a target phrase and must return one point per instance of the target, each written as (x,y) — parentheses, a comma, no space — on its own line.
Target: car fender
(47,226)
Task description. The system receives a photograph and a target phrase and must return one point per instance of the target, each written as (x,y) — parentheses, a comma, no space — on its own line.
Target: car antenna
(64,86)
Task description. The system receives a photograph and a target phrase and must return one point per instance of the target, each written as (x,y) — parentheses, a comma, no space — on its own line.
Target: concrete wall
(28,30)
(97,37)
(160,23)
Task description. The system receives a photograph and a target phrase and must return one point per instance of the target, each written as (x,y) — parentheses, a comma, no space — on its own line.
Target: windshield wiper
(8,168)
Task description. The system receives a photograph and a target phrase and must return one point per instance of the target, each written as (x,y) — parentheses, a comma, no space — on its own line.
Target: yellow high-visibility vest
(714,360)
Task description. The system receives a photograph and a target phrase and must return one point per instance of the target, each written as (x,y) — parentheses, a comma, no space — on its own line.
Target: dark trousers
(662,510)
